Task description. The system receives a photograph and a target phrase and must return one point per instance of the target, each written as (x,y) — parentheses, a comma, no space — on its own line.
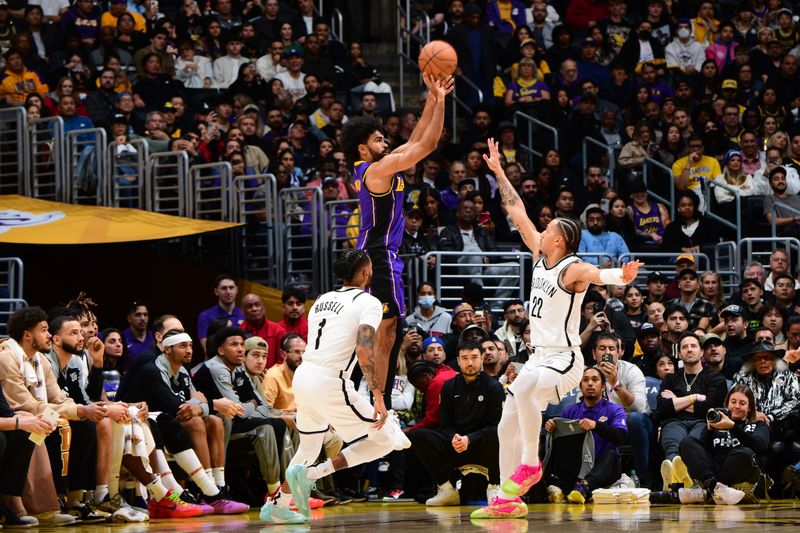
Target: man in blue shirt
(137,337)
(596,240)
(72,122)
(225,290)
(606,421)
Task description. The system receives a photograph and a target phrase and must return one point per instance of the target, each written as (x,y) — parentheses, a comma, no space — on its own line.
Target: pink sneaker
(501,508)
(523,478)
(221,506)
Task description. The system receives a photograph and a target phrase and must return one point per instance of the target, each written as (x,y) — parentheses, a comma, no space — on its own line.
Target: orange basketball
(438,59)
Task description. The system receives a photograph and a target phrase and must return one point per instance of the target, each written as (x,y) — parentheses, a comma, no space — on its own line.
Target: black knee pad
(156,432)
(175,438)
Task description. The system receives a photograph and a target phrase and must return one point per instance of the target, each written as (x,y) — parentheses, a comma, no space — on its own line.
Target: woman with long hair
(634,308)
(733,176)
(649,218)
(542,215)
(641,146)
(708,80)
(617,219)
(672,147)
(66,86)
(116,356)
(249,83)
(771,106)
(529,88)
(212,39)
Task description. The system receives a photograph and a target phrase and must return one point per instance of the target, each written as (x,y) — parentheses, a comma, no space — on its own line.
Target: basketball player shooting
(379,186)
(560,280)
(341,327)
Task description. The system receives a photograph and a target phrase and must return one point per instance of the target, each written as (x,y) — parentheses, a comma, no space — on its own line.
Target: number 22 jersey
(554,312)
(333,327)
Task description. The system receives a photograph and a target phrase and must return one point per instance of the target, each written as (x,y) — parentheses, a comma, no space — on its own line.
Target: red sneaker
(313,503)
(171,506)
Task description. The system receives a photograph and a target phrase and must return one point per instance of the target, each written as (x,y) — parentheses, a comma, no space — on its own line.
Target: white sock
(100,493)
(161,468)
(321,470)
(283,500)
(218,472)
(156,489)
(171,483)
(190,464)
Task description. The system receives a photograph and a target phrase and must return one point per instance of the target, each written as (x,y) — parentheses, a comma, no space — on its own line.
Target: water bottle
(635,479)
(111,384)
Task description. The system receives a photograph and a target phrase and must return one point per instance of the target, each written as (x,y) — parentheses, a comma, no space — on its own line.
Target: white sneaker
(129,515)
(667,474)
(445,495)
(681,473)
(491,492)
(555,494)
(53,519)
(695,495)
(399,438)
(725,495)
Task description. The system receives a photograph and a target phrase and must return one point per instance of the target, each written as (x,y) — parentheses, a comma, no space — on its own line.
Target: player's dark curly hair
(350,262)
(23,320)
(355,132)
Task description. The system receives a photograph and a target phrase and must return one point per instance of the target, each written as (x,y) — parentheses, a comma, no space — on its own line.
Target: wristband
(611,276)
(16,418)
(693,397)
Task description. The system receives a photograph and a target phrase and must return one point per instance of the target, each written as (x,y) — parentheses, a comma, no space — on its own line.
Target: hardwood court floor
(404,517)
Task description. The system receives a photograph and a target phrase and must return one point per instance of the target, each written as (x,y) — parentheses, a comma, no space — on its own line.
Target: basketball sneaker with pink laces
(523,478)
(502,508)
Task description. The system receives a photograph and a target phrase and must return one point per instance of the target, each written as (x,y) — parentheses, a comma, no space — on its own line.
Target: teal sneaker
(280,515)
(301,488)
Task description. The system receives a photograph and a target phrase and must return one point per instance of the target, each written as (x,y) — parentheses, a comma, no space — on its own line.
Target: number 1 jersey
(333,326)
(554,312)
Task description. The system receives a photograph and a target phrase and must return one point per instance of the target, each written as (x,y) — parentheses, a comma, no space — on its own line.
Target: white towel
(31,370)
(621,495)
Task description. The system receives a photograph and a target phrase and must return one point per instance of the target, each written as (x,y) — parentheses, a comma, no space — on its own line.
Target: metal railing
(749,249)
(336,222)
(14,153)
(726,264)
(661,262)
(255,203)
(11,277)
(603,260)
(735,226)
(46,156)
(535,123)
(452,272)
(126,165)
(7,308)
(299,209)
(774,222)
(167,183)
(85,153)
(337,25)
(405,37)
(609,150)
(209,189)
(458,102)
(647,175)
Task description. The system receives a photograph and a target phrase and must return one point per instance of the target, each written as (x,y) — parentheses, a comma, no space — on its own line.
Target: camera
(715,415)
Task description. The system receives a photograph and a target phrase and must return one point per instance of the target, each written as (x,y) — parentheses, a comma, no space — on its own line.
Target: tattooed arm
(511,201)
(373,369)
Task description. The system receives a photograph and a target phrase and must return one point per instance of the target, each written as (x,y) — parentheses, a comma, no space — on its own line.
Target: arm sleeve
(432,401)
(638,387)
(496,397)
(665,407)
(715,395)
(616,429)
(370,312)
(202,325)
(94,389)
(158,395)
(270,388)
(754,436)
(225,387)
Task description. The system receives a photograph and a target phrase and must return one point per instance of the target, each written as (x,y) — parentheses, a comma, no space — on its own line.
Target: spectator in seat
(751,293)
(224,376)
(84,18)
(564,461)
(737,341)
(625,383)
(778,263)
(257,324)
(723,454)
(475,38)
(594,239)
(293,78)
(101,104)
(683,400)
(684,54)
(676,320)
(450,197)
(227,68)
(195,71)
(225,290)
(649,339)
(641,49)
(429,377)
(277,382)
(153,87)
(137,337)
(733,176)
(470,409)
(650,218)
(656,288)
(158,46)
(714,356)
(784,292)
(700,311)
(294,312)
(511,331)
(18,82)
(782,208)
(431,318)
(495,357)
(695,171)
(690,230)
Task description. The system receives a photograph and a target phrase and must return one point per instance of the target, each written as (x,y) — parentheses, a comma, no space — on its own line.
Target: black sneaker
(87,514)
(327,499)
(356,496)
(188,497)
(341,497)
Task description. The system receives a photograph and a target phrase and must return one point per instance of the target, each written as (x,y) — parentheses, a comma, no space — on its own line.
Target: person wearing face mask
(645,49)
(428,316)
(684,53)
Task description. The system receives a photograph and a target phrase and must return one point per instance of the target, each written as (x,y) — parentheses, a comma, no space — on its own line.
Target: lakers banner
(26,220)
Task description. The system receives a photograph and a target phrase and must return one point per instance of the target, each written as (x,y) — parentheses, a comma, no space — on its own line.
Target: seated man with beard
(596,240)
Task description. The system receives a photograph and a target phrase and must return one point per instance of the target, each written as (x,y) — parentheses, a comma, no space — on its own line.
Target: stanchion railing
(46,156)
(85,165)
(649,169)
(11,276)
(533,122)
(736,225)
(167,183)
(209,191)
(127,174)
(14,153)
(256,207)
(299,209)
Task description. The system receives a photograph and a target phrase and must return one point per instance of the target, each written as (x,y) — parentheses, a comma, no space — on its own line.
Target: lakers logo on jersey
(401,185)
(357,185)
(385,308)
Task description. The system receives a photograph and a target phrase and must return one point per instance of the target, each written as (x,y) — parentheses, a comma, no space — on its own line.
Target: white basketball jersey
(333,326)
(554,312)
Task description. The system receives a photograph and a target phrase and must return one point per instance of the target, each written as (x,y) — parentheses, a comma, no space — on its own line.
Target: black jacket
(708,382)
(753,435)
(471,410)
(459,38)
(101,105)
(629,54)
(450,239)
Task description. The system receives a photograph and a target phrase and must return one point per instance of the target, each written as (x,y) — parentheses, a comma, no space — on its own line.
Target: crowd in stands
(707,90)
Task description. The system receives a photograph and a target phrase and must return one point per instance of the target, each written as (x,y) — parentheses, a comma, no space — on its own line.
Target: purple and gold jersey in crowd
(382,217)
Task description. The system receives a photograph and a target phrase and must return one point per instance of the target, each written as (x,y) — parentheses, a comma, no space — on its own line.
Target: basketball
(438,59)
